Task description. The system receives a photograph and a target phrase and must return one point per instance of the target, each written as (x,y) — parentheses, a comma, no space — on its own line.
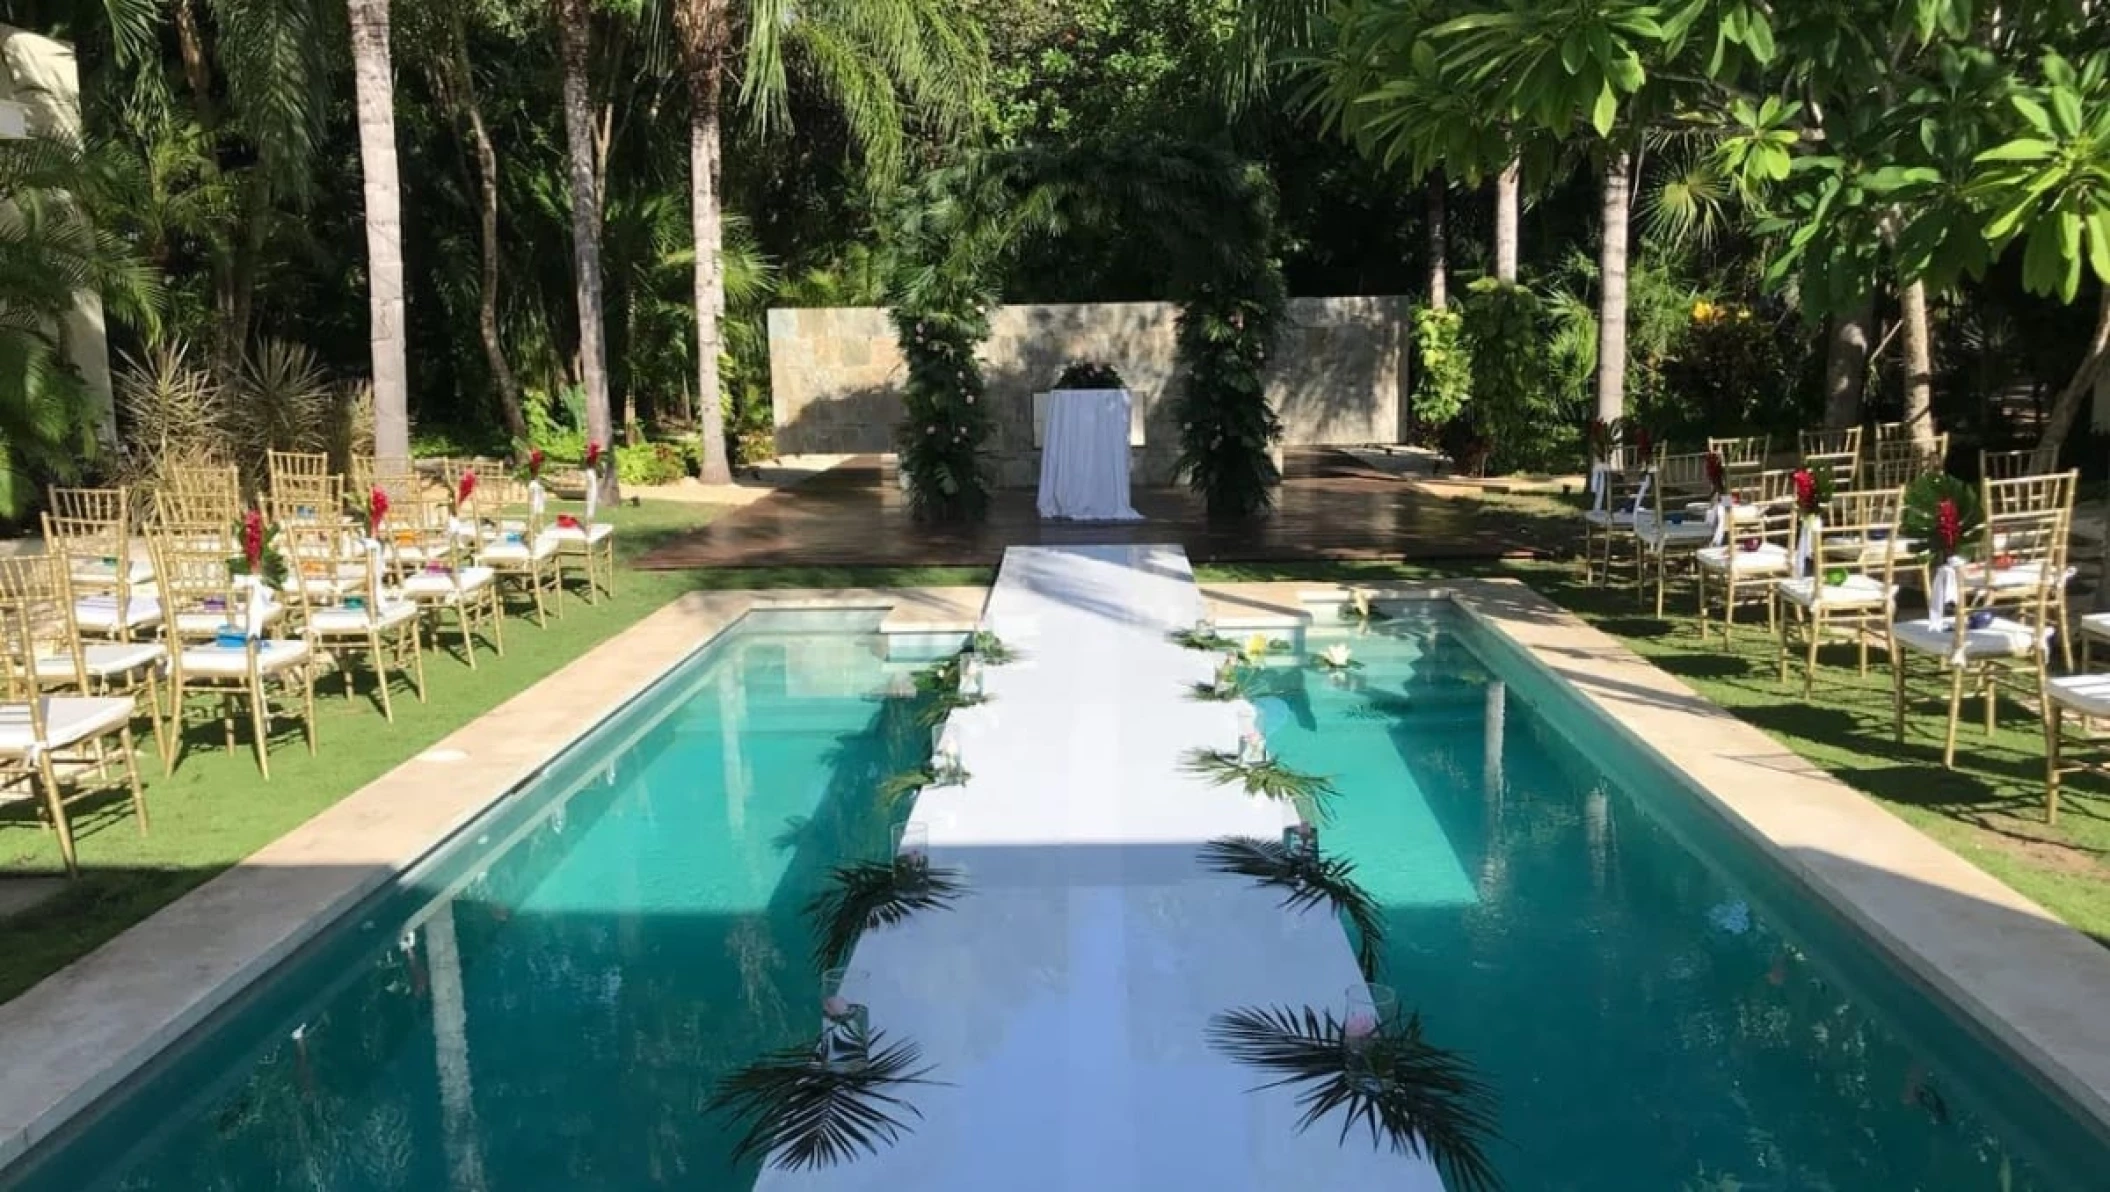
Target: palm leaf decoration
(1426,1100)
(802,1114)
(934,710)
(1309,880)
(1200,639)
(873,894)
(990,648)
(908,782)
(1270,778)
(940,678)
(1219,693)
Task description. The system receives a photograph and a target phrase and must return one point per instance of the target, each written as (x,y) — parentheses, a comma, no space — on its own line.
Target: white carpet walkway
(1063,1000)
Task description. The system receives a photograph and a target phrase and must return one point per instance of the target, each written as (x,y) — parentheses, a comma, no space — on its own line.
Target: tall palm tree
(373,92)
(575,44)
(886,64)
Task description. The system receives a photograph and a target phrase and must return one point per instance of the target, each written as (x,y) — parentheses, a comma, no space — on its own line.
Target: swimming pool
(548,1005)
(1658,1005)
(549,1002)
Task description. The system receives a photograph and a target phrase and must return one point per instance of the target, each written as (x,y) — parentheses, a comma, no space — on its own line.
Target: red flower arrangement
(1717,479)
(376,510)
(253,539)
(1948,525)
(463,489)
(535,463)
(1643,444)
(593,457)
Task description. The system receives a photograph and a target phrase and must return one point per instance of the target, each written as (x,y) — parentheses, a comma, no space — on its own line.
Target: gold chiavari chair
(357,613)
(1753,538)
(210,482)
(1673,523)
(1845,577)
(241,664)
(2011,465)
(2014,509)
(1747,452)
(58,743)
(112,578)
(91,504)
(434,567)
(1838,450)
(515,546)
(1898,462)
(128,669)
(1986,643)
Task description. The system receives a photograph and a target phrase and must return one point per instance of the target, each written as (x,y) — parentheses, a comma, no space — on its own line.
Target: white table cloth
(1084,458)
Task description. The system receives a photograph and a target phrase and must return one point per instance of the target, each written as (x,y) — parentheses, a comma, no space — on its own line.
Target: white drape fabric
(1084,457)
(593,493)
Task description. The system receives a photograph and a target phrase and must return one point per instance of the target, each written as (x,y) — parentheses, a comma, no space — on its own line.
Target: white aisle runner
(1063,1001)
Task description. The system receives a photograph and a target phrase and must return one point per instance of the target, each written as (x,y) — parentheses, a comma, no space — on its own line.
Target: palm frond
(1220,693)
(1269,778)
(1194,638)
(938,707)
(1310,880)
(803,1115)
(874,894)
(1420,1100)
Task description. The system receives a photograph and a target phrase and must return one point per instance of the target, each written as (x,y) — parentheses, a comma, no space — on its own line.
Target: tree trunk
(1919,362)
(2067,406)
(373,87)
(1611,281)
(1439,245)
(1846,364)
(579,135)
(1508,184)
(709,229)
(197,71)
(463,93)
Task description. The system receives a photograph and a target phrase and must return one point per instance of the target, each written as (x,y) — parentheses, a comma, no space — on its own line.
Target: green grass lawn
(215,810)
(1990,809)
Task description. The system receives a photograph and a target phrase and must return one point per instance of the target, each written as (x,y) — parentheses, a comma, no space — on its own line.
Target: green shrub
(1521,423)
(1445,381)
(651,463)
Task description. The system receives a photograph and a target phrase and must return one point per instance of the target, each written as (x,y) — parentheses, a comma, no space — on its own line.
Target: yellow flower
(1703,311)
(1256,647)
(1743,314)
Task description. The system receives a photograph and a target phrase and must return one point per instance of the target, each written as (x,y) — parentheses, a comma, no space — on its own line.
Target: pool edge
(2022,975)
(71,1039)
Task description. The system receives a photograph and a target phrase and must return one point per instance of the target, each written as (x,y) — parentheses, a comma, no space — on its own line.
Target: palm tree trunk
(373,86)
(709,230)
(1846,364)
(579,135)
(2067,406)
(1617,207)
(461,90)
(1508,184)
(450,1044)
(1439,244)
(197,71)
(1919,362)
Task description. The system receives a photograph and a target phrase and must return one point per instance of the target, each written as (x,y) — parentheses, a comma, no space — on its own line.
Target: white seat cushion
(222,662)
(68,720)
(516,553)
(357,621)
(1859,591)
(1739,514)
(98,614)
(2001,638)
(434,587)
(207,622)
(583,535)
(2087,694)
(1770,558)
(103,659)
(104,571)
(1690,532)
(2096,625)
(2026,575)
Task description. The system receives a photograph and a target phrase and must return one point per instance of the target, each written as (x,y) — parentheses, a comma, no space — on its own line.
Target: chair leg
(374,651)
(161,741)
(2053,715)
(1897,690)
(1815,626)
(139,799)
(307,699)
(417,656)
(260,724)
(55,803)
(608,562)
(1948,749)
(1992,696)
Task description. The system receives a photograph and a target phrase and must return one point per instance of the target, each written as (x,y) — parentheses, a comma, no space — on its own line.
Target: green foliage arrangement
(940,439)
(990,648)
(1197,638)
(801,1114)
(1425,1100)
(650,463)
(1227,428)
(1089,374)
(1925,520)
(1446,373)
(874,894)
(1515,411)
(1307,880)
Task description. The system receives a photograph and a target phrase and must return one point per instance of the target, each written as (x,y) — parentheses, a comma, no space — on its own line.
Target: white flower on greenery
(1336,656)
(970,399)
(930,430)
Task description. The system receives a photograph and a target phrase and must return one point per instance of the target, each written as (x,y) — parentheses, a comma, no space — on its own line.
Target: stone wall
(1339,375)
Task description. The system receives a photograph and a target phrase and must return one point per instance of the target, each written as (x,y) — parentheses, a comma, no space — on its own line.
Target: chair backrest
(2021,508)
(329,563)
(195,577)
(195,507)
(319,500)
(1839,450)
(421,537)
(99,555)
(221,481)
(1740,452)
(1896,463)
(1682,476)
(2011,465)
(1765,501)
(37,631)
(91,504)
(1859,533)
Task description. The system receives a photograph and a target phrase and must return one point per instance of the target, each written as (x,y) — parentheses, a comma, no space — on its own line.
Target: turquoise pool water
(608,947)
(1657,1006)
(549,1004)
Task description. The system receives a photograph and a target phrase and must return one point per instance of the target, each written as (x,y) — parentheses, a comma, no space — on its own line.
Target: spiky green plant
(936,708)
(1269,777)
(1308,879)
(1213,692)
(1423,1100)
(874,894)
(801,1114)
(1198,639)
(990,648)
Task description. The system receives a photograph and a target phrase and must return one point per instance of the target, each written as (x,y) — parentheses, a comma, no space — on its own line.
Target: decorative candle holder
(945,761)
(1300,840)
(912,847)
(846,1026)
(971,676)
(1252,748)
(1372,1011)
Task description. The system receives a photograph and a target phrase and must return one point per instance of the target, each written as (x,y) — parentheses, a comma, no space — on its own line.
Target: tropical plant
(987,646)
(1446,375)
(801,1114)
(874,894)
(1269,778)
(1307,880)
(1418,1099)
